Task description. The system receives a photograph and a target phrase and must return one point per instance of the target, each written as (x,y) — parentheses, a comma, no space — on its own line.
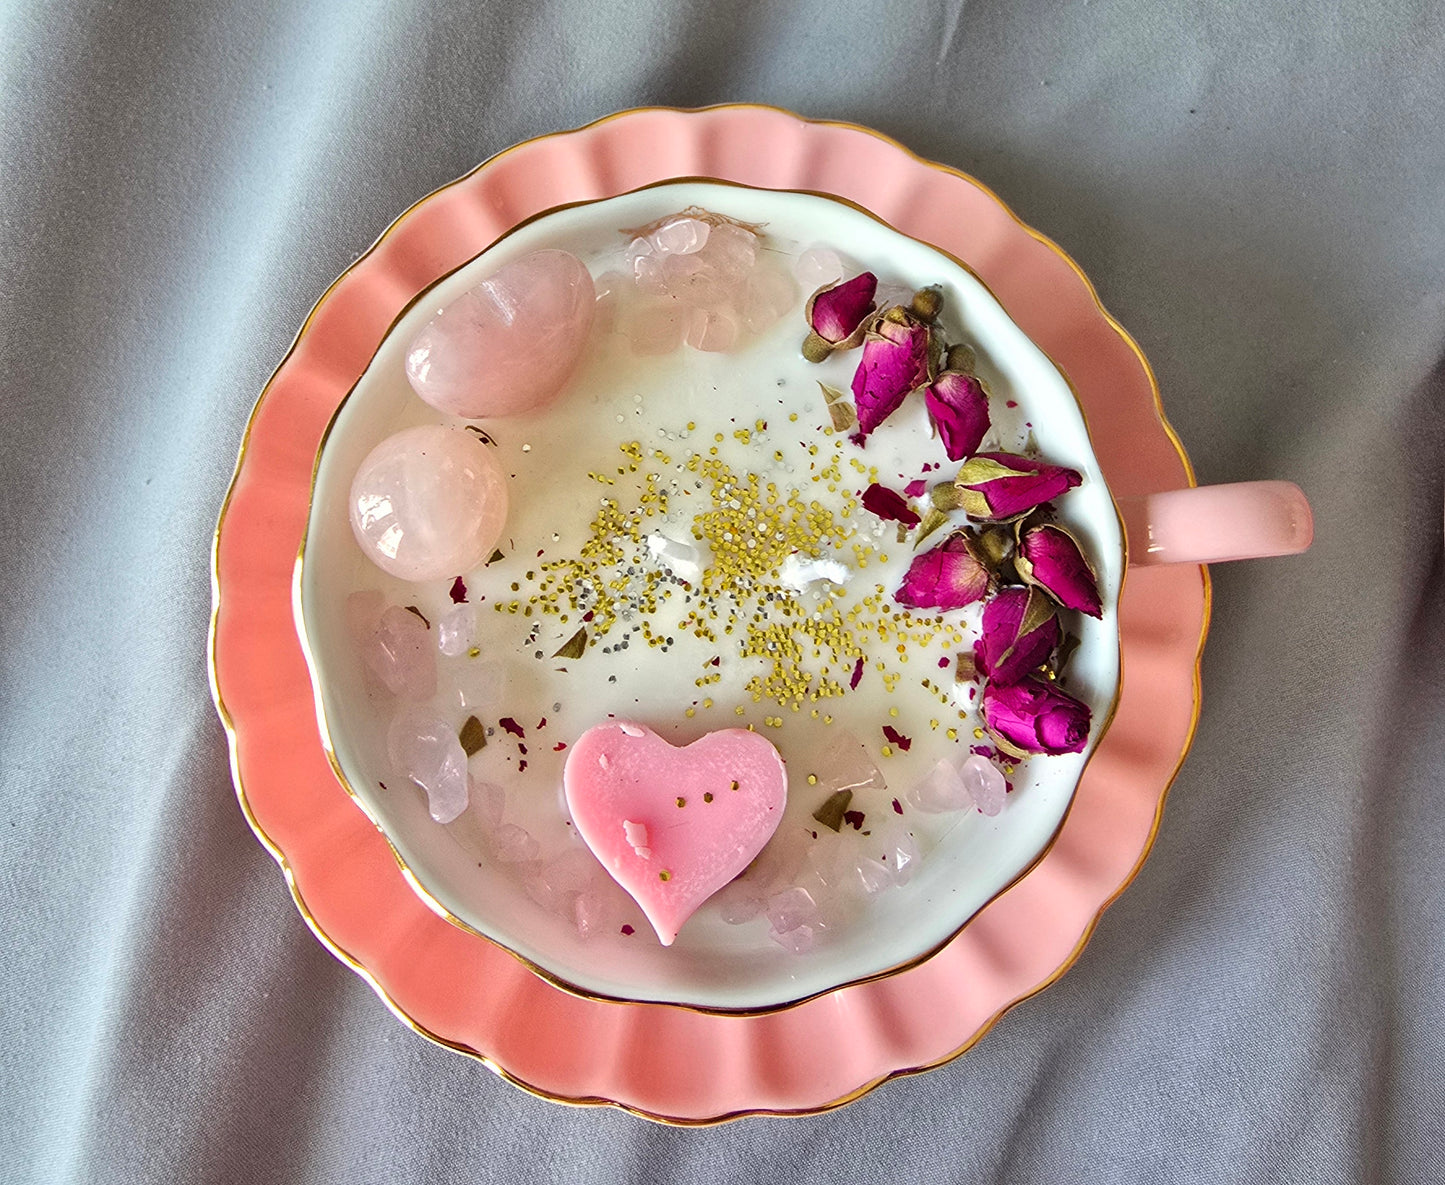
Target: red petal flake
(459,591)
(512,726)
(897,738)
(889,504)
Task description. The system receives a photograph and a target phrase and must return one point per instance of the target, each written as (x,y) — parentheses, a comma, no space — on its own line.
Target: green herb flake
(830,814)
(574,646)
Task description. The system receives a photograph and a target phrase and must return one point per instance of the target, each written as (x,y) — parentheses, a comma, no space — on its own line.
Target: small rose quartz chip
(478,684)
(874,876)
(790,909)
(653,326)
(514,845)
(818,266)
(768,294)
(941,789)
(400,654)
(455,629)
(799,940)
(986,786)
(713,331)
(363,614)
(680,236)
(425,749)
(732,250)
(739,902)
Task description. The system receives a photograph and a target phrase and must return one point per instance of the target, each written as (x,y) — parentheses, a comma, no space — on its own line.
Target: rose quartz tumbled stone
(509,345)
(428,503)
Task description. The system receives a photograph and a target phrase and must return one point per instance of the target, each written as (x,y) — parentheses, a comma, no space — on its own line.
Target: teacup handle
(1209,524)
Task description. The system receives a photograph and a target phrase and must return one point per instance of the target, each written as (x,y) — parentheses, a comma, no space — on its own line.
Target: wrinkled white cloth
(1256,190)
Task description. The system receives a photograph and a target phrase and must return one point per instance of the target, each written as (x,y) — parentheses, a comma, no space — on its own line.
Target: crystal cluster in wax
(699,278)
(428,502)
(814,876)
(508,346)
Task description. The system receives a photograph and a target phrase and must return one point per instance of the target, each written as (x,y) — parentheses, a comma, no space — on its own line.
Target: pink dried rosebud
(837,312)
(1049,557)
(895,362)
(1020,631)
(948,577)
(889,504)
(1034,716)
(959,410)
(1005,485)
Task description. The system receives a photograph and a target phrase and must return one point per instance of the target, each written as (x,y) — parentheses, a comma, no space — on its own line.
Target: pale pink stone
(510,344)
(714,331)
(790,909)
(426,750)
(940,789)
(768,295)
(490,801)
(611,290)
(512,844)
(589,914)
(818,266)
(985,785)
(400,654)
(653,326)
(475,827)
(890,293)
(830,871)
(570,872)
(846,765)
(897,850)
(874,876)
(732,250)
(739,902)
(696,281)
(799,940)
(681,236)
(455,628)
(363,614)
(646,266)
(701,832)
(428,503)
(477,685)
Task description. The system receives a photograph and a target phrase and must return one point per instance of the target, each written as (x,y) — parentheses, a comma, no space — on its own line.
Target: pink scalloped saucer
(661,1061)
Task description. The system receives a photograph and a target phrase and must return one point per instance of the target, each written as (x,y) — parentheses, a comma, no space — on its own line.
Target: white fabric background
(1259,193)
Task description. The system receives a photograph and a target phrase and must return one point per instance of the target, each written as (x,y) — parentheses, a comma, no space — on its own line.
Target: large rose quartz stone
(509,345)
(428,503)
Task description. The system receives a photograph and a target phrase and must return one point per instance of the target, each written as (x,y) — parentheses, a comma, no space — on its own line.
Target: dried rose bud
(1020,631)
(1034,716)
(961,357)
(837,313)
(1004,485)
(894,362)
(959,410)
(1050,558)
(948,577)
(927,303)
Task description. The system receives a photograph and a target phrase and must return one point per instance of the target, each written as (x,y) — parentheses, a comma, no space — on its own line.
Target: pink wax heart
(509,345)
(673,826)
